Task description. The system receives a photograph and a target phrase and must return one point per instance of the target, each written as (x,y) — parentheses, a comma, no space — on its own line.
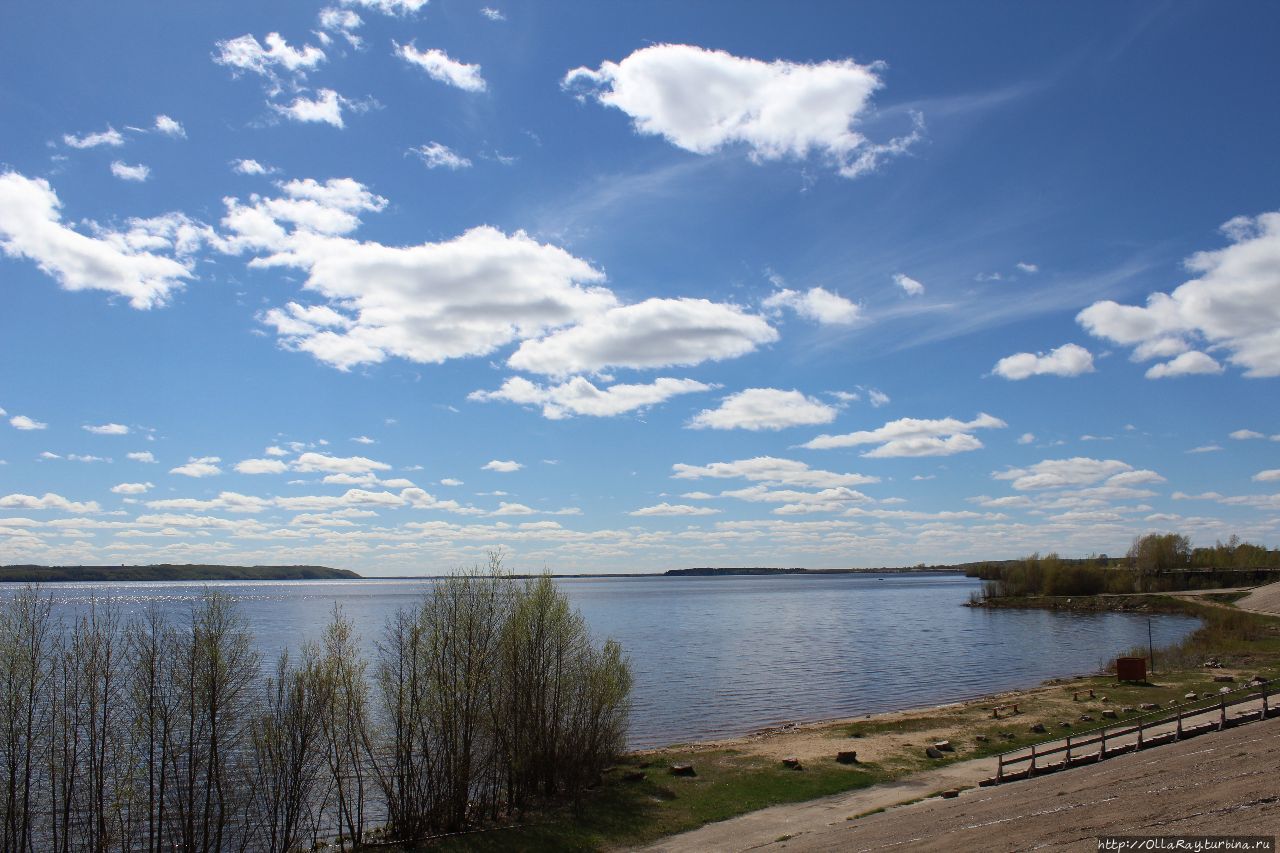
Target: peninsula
(169,572)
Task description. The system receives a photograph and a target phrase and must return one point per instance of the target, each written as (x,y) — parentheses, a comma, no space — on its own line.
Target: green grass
(622,813)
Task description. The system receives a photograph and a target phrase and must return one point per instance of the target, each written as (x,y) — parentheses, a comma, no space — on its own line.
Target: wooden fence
(1090,746)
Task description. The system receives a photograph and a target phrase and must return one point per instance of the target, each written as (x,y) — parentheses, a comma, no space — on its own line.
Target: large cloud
(124,263)
(426,303)
(1066,360)
(1059,473)
(703,100)
(579,396)
(764,409)
(463,297)
(1233,304)
(653,333)
(913,437)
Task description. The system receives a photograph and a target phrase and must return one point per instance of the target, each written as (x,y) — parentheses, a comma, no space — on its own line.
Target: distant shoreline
(169,572)
(201,572)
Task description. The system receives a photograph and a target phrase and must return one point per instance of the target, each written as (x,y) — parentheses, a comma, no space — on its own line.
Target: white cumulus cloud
(342,21)
(142,456)
(463,297)
(657,332)
(170,127)
(246,53)
(1232,303)
(1268,476)
(816,304)
(110,137)
(1066,360)
(106,429)
(312,462)
(199,466)
(1191,363)
(771,471)
(436,155)
(250,167)
(665,508)
(578,396)
(501,466)
(439,66)
(261,466)
(703,100)
(1060,473)
(325,108)
(49,501)
(124,263)
(908,284)
(764,409)
(132,488)
(25,423)
(913,437)
(389,7)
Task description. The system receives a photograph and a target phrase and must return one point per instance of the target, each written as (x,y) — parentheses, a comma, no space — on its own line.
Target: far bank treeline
(170,572)
(1153,563)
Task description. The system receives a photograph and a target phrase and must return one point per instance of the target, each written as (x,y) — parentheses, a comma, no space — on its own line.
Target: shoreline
(800,739)
(1135,604)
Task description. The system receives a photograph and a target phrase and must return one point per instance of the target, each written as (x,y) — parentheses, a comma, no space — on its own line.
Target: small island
(170,572)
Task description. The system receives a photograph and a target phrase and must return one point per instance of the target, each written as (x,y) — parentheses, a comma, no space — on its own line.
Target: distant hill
(169,572)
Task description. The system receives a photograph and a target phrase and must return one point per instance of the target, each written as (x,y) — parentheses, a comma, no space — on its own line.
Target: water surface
(716,657)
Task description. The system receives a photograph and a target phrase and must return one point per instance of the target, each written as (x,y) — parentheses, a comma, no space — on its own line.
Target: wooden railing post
(1000,769)
(1222,711)
(1178,734)
(1067,763)
(1102,751)
(1264,700)
(1032,771)
(1139,746)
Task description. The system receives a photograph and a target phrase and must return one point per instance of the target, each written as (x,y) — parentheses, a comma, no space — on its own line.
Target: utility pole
(1151,650)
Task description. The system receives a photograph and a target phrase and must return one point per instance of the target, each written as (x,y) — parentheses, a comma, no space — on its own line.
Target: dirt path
(825,824)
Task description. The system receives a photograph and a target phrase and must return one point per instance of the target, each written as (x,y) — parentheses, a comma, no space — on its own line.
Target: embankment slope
(1221,783)
(1264,599)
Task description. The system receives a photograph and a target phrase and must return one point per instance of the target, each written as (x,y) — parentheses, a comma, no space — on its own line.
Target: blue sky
(382,284)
